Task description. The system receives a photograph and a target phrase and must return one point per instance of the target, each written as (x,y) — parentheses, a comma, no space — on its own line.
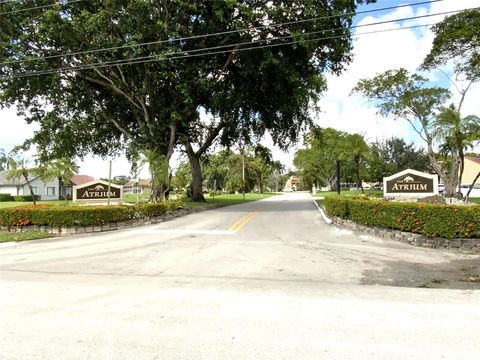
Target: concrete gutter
(325,217)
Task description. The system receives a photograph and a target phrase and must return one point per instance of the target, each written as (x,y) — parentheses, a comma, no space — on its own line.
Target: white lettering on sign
(96,194)
(409,187)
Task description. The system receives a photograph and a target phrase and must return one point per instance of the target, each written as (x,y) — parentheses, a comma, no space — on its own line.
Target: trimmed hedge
(432,220)
(81,215)
(6,197)
(26,198)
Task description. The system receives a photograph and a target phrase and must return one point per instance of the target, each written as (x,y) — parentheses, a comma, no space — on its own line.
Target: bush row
(81,215)
(6,197)
(446,221)
(25,198)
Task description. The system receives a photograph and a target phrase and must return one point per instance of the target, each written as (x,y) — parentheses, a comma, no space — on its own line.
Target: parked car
(441,189)
(475,193)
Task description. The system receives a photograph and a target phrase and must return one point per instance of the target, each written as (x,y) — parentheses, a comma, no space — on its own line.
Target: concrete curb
(325,218)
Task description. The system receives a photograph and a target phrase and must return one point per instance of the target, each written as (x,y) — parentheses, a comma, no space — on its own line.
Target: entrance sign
(410,183)
(97,190)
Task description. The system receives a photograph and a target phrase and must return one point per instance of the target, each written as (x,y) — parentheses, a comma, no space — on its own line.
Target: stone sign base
(410,238)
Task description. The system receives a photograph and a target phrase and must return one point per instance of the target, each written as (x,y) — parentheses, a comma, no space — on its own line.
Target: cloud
(14,130)
(376,53)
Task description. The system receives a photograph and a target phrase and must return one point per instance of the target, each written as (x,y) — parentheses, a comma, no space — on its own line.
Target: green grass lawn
(474,200)
(6,236)
(134,198)
(231,199)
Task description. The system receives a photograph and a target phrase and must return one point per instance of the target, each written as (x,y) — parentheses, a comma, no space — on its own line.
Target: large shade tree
(101,76)
(405,96)
(456,41)
(316,163)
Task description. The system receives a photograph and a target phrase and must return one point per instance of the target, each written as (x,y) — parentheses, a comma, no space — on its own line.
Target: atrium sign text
(410,183)
(97,190)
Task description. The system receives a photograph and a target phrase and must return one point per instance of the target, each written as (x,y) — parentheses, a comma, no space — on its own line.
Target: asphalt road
(264,280)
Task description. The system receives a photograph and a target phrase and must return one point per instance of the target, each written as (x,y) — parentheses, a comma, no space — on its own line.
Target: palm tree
(63,169)
(356,149)
(456,133)
(21,169)
(3,160)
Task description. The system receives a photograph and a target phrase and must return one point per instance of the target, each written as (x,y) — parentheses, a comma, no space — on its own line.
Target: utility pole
(338,177)
(109,180)
(243,174)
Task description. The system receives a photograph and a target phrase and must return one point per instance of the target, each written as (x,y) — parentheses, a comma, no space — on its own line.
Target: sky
(374,53)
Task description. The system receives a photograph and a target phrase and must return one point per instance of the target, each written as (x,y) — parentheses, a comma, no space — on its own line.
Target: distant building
(76,180)
(140,186)
(293,183)
(47,190)
(472,168)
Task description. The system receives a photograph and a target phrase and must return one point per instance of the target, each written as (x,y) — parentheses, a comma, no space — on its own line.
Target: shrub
(6,197)
(433,220)
(27,198)
(81,215)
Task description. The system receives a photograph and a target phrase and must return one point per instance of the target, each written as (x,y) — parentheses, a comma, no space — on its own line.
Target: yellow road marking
(242,221)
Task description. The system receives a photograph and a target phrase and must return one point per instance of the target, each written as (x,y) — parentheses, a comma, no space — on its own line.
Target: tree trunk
(473,184)
(450,180)
(31,189)
(453,177)
(197,178)
(357,173)
(462,167)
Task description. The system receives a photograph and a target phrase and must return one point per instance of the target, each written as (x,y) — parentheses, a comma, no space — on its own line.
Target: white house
(140,186)
(48,190)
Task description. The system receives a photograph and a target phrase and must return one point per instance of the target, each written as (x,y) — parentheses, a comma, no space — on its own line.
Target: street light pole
(243,174)
(109,180)
(338,177)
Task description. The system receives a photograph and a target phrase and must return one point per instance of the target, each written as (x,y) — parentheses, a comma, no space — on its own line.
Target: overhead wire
(218,33)
(215,50)
(39,7)
(148,60)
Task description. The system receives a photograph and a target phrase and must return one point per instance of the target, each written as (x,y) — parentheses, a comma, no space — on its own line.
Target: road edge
(324,216)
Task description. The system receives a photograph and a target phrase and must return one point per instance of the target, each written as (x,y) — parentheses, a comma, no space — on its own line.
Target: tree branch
(210,138)
(464,92)
(117,89)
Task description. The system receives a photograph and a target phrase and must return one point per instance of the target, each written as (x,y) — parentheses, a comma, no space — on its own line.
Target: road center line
(242,221)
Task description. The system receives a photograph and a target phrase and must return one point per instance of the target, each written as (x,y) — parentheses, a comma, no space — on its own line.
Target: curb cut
(325,218)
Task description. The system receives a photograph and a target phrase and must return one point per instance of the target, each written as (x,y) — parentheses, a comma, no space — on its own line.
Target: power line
(38,7)
(218,33)
(148,60)
(205,51)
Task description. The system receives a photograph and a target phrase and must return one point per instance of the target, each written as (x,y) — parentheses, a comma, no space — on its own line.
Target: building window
(34,190)
(50,190)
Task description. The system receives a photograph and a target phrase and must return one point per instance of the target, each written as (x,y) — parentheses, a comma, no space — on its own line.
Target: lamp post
(109,180)
(338,176)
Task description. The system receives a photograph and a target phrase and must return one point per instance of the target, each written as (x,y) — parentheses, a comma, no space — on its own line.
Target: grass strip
(6,236)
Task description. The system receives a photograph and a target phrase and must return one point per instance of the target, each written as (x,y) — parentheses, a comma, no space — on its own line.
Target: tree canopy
(456,39)
(102,76)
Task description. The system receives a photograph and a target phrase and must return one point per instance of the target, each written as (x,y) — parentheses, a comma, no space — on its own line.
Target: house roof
(81,179)
(140,182)
(475,159)
(14,182)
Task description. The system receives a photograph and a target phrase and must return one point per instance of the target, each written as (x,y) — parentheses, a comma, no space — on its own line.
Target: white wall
(12,190)
(42,189)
